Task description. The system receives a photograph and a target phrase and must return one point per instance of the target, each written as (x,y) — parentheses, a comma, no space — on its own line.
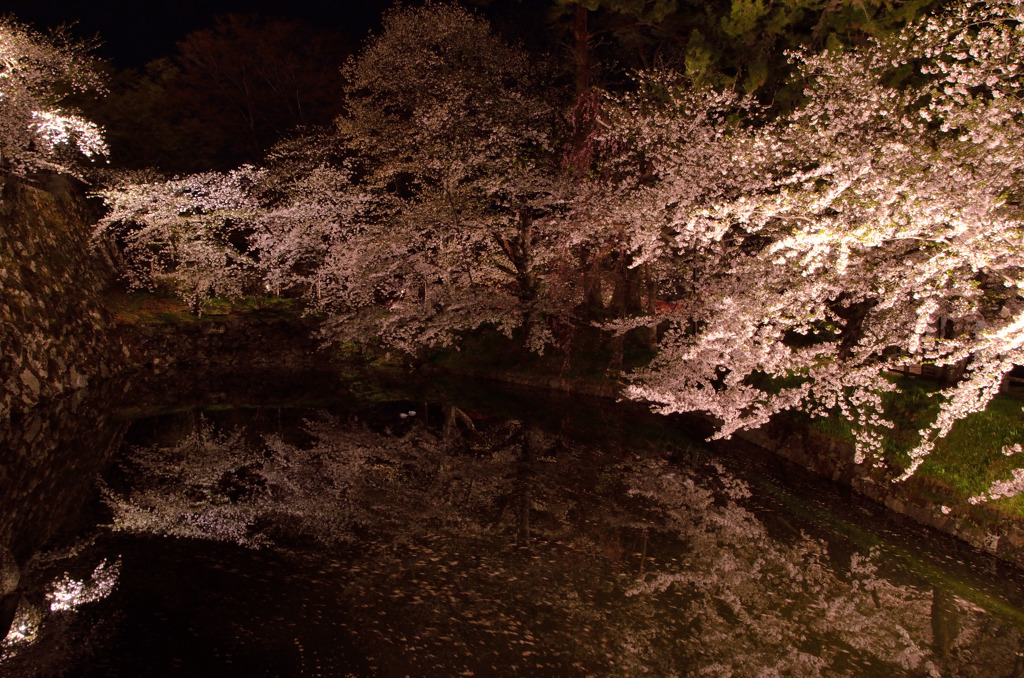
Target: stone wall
(930,504)
(49,457)
(53,330)
(239,342)
(55,341)
(256,356)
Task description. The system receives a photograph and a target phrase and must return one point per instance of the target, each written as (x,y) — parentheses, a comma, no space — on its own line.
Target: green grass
(970,458)
(910,408)
(835,427)
(136,308)
(963,464)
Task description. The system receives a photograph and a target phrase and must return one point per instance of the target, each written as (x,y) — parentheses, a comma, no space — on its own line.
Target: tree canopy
(449,139)
(37,73)
(880,225)
(784,260)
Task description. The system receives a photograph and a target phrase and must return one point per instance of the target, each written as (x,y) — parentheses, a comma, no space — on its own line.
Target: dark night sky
(135,31)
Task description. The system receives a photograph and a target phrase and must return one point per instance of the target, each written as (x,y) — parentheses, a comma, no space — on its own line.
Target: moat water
(442,531)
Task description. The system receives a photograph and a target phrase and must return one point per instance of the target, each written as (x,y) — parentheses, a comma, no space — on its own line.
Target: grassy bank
(963,464)
(142,308)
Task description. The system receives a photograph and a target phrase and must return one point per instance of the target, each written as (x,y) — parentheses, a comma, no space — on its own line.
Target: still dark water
(455,532)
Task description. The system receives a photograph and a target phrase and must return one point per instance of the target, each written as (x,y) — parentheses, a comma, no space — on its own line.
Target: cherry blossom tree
(667,148)
(36,74)
(422,214)
(308,204)
(251,230)
(453,142)
(879,226)
(798,261)
(189,233)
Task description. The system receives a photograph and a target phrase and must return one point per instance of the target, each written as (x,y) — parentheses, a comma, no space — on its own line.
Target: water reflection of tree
(496,546)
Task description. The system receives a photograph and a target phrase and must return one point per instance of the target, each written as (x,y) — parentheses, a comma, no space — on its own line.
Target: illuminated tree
(36,75)
(667,149)
(419,216)
(308,204)
(188,233)
(737,45)
(452,140)
(801,260)
(879,226)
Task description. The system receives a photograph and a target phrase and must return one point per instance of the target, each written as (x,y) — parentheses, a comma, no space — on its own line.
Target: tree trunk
(453,417)
(648,336)
(524,478)
(588,104)
(581,50)
(633,296)
(947,375)
(526,276)
(593,298)
(853,331)
(945,621)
